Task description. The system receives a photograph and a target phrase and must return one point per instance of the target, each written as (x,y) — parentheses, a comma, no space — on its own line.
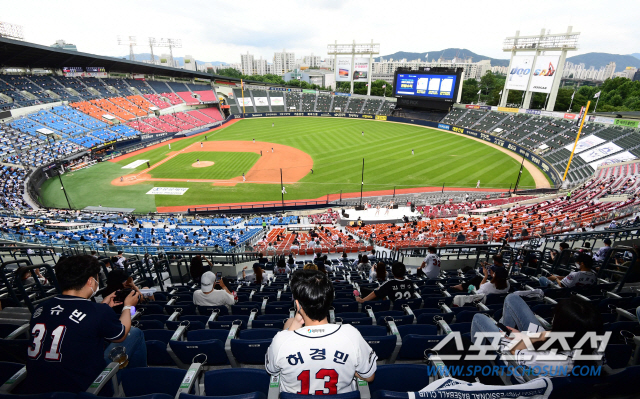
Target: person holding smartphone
(69,332)
(208,295)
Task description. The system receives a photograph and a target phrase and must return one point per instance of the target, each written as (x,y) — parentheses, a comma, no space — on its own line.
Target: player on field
(396,289)
(430,267)
(478,184)
(69,332)
(312,356)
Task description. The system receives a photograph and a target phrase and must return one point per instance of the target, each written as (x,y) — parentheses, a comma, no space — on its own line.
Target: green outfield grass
(226,165)
(337,148)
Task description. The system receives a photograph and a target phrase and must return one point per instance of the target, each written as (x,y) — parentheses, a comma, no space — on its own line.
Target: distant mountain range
(596,60)
(447,54)
(147,57)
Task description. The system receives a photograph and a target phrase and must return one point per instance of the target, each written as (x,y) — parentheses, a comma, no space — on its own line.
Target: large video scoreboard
(427,85)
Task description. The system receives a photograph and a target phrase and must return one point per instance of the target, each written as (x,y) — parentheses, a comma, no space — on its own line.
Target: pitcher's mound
(202,164)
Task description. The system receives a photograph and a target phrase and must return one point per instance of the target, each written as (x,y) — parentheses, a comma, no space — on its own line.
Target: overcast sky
(221,30)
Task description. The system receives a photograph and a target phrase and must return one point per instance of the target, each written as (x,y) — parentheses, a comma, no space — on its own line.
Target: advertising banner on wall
(585,144)
(361,70)
(600,152)
(622,157)
(343,69)
(543,73)
(246,101)
(261,101)
(277,101)
(518,76)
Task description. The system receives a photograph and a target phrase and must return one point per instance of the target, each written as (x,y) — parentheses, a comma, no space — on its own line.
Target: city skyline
(218,34)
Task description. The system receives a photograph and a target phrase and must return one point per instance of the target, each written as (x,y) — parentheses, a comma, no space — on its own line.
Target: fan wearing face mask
(69,332)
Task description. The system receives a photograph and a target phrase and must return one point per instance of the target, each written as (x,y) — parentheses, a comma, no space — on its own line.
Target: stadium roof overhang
(20,54)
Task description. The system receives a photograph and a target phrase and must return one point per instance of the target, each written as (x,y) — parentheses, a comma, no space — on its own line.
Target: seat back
(400,378)
(236,381)
(149,380)
(382,345)
(413,345)
(185,351)
(417,329)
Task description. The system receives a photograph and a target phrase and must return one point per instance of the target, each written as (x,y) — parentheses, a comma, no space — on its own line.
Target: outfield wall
(534,158)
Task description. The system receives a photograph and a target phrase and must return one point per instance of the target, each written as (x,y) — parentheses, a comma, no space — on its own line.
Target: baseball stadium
(348,224)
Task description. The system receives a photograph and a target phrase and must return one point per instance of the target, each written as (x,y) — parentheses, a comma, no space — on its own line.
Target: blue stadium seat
(418,329)
(149,380)
(269,323)
(185,351)
(413,346)
(150,325)
(245,308)
(8,369)
(48,395)
(345,306)
(259,333)
(400,378)
(252,395)
(238,381)
(414,303)
(348,395)
(206,310)
(372,331)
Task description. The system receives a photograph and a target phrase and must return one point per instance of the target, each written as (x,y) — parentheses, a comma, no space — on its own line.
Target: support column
(505,91)
(353,61)
(370,71)
(527,96)
(556,80)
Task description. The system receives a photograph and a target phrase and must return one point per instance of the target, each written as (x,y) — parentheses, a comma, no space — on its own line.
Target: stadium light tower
(171,43)
(152,42)
(128,41)
(11,31)
(346,74)
(536,63)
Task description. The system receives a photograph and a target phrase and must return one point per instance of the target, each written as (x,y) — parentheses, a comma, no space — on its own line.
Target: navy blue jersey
(68,336)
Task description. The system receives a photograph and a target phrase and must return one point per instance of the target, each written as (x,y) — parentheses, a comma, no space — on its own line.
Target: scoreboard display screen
(71,69)
(95,69)
(426,85)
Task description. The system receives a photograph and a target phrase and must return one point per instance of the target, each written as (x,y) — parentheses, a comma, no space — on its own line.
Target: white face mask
(93,293)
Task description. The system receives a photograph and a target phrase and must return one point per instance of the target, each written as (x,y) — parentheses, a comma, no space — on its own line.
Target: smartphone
(122,294)
(218,275)
(503,328)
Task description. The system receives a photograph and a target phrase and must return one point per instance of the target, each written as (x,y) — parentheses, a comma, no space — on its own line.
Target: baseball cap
(500,271)
(207,281)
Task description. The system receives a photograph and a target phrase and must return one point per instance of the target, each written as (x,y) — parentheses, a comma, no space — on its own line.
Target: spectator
(310,349)
(212,292)
(477,280)
(460,237)
(27,277)
(69,332)
(282,267)
(565,256)
(570,315)
(584,277)
(310,266)
(257,276)
(432,265)
(603,252)
(378,273)
(197,267)
(119,280)
(364,264)
(498,283)
(396,289)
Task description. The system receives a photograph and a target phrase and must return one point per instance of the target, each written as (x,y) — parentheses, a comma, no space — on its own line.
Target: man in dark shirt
(69,332)
(395,289)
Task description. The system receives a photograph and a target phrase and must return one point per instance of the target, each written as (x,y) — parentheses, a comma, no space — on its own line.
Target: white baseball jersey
(432,266)
(320,360)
